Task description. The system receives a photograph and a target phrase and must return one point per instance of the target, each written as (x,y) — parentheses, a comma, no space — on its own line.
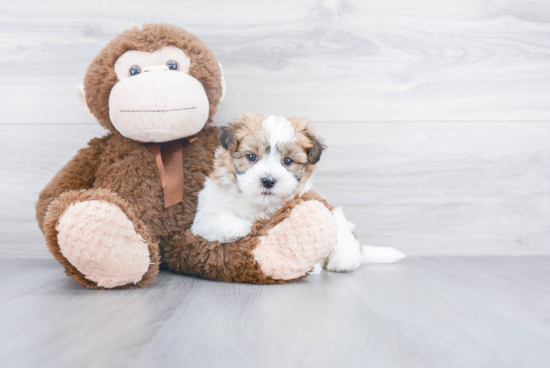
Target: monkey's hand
(282,248)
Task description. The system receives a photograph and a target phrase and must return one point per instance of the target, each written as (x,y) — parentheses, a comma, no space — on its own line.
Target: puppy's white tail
(372,254)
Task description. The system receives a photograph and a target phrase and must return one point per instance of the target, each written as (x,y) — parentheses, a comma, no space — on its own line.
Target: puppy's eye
(251,158)
(287,161)
(134,70)
(172,65)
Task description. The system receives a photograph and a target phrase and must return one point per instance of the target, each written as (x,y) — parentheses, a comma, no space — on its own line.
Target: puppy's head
(267,158)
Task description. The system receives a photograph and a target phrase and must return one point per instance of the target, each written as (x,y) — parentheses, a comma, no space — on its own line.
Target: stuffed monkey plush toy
(125,204)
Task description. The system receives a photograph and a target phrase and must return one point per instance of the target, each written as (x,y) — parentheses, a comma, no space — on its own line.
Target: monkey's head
(154,84)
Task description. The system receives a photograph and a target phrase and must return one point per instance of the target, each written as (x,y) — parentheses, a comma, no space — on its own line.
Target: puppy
(262,161)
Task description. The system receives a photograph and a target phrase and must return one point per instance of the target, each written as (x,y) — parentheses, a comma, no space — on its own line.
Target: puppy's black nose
(268,182)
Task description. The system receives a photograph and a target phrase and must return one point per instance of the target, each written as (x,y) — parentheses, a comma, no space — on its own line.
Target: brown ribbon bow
(169,159)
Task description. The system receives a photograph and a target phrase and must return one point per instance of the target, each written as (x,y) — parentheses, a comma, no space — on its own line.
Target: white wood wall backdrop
(425,188)
(349,60)
(436,113)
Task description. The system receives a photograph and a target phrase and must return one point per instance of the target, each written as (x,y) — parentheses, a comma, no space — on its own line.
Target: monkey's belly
(133,175)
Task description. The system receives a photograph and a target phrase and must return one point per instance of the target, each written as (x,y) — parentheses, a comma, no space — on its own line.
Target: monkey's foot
(293,246)
(100,244)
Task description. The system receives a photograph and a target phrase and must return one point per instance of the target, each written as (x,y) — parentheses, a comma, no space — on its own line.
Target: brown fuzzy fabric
(101,77)
(60,205)
(79,173)
(123,172)
(232,262)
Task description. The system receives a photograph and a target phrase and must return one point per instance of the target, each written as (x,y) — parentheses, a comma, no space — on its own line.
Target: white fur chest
(221,199)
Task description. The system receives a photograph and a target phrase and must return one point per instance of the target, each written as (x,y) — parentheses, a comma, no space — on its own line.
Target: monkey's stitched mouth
(167,110)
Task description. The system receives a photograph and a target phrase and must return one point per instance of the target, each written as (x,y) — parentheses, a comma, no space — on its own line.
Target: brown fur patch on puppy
(306,136)
(298,155)
(310,144)
(243,136)
(223,167)
(249,124)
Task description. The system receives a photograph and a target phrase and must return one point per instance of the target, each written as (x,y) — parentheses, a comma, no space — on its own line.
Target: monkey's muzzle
(158,106)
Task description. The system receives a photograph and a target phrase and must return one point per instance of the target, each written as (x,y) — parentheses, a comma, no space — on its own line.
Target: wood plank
(331,60)
(442,189)
(419,313)
(424,188)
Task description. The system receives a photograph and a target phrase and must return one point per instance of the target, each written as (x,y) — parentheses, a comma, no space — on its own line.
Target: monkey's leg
(280,249)
(101,243)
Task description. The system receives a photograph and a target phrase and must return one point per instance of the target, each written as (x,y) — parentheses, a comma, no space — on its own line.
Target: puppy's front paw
(342,262)
(234,230)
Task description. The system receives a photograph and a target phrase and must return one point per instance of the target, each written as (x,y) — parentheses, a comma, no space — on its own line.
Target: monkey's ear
(81,95)
(226,136)
(314,154)
(223,83)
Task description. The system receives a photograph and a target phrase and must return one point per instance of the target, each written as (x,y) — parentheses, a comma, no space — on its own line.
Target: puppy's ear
(314,154)
(311,144)
(226,136)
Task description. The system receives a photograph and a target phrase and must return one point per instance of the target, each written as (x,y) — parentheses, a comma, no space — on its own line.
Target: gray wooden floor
(423,312)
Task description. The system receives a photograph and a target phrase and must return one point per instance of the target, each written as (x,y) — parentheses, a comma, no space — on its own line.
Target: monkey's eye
(134,70)
(287,161)
(251,157)
(172,65)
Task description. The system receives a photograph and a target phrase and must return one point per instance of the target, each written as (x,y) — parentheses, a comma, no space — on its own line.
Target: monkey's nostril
(268,182)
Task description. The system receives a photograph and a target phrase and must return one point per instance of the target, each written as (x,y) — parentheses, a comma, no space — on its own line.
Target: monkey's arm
(79,173)
(280,249)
